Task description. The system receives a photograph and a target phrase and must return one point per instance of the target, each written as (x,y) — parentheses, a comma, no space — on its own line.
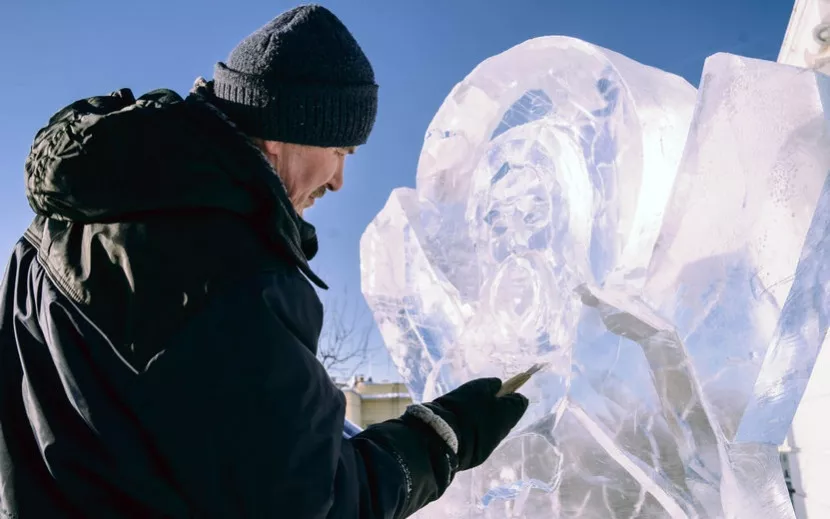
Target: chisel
(514,383)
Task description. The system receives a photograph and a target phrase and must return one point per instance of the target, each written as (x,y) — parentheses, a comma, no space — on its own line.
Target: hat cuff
(325,115)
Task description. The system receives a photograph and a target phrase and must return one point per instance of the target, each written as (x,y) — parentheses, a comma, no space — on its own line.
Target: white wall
(800,47)
(810,448)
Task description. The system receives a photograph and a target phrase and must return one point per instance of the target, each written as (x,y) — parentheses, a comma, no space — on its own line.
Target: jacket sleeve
(279,426)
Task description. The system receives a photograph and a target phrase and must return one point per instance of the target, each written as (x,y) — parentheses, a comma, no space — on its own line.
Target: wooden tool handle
(513,384)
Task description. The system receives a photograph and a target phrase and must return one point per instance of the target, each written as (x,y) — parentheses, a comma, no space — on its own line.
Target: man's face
(307,171)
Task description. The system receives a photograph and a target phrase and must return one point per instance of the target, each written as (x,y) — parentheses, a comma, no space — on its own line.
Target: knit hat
(302,78)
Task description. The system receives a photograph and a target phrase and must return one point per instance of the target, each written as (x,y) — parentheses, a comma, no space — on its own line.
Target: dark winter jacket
(158,334)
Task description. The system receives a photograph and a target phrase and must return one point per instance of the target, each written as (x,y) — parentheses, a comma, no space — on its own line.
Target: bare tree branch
(343,347)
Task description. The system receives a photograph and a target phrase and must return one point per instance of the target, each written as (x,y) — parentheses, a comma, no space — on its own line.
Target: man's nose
(336,181)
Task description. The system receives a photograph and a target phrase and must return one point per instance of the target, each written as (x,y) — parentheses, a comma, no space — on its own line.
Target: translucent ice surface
(663,249)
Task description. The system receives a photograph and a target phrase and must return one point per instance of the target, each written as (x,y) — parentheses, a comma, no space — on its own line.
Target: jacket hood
(119,159)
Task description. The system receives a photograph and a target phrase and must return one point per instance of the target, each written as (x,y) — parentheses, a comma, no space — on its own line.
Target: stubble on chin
(300,208)
(302,205)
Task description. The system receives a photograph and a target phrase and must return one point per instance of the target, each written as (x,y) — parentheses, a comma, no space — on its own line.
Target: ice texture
(666,250)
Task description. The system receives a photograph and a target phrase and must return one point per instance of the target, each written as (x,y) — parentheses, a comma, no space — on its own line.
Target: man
(158,329)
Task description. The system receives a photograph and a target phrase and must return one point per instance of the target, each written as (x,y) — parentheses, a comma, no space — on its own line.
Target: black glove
(479,418)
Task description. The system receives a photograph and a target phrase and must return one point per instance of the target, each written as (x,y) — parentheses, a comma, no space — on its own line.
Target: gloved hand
(479,418)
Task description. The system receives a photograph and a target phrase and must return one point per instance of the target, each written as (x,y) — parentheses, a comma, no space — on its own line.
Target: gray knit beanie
(303,79)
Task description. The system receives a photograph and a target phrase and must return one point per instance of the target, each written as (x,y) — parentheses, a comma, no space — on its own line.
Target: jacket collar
(302,236)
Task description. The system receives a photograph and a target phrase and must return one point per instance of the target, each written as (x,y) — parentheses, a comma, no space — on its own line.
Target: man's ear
(268,147)
(272,147)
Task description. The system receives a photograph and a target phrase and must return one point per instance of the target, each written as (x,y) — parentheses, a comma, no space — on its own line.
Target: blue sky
(57,52)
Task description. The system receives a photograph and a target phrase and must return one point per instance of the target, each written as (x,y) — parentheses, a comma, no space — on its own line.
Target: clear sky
(55,52)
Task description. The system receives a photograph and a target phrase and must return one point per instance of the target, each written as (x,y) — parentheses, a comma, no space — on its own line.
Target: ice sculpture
(664,249)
